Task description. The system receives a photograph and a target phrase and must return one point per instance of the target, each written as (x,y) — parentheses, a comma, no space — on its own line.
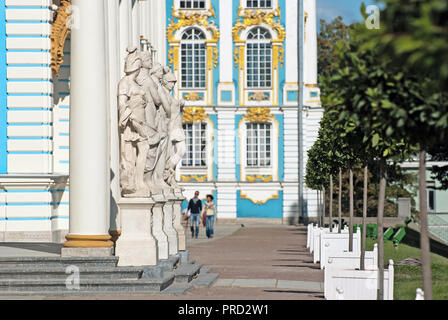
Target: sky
(348,9)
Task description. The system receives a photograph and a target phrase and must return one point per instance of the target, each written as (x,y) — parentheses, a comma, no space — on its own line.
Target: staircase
(56,276)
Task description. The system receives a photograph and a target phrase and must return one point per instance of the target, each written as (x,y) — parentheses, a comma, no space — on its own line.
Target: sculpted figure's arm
(166,103)
(123,109)
(125,112)
(154,92)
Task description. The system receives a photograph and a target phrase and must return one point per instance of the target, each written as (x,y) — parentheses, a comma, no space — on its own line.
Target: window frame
(202,71)
(258,42)
(246,2)
(203,137)
(259,152)
(206,4)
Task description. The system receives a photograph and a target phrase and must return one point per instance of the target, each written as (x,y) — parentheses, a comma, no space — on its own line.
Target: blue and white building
(237,63)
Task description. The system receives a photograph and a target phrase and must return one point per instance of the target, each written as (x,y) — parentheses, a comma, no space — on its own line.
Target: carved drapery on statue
(151,134)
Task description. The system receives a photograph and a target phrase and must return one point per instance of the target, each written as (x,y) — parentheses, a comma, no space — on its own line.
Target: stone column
(177,221)
(157,228)
(125,30)
(88,229)
(310,43)
(113,47)
(135,29)
(168,227)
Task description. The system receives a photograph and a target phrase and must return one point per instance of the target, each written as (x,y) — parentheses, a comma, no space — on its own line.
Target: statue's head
(169,80)
(133,61)
(146,57)
(157,71)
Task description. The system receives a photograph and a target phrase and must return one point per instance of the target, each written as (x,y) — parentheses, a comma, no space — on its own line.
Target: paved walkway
(254,261)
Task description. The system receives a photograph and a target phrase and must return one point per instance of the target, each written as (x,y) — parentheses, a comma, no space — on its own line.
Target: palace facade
(239,65)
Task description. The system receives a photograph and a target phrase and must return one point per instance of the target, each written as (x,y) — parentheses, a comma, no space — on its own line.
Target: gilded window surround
(198,114)
(258,115)
(183,19)
(265,18)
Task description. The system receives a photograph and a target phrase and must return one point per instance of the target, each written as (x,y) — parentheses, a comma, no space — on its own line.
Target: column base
(88,241)
(87,252)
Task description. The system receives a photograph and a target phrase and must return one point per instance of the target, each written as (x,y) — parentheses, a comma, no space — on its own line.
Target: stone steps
(187,272)
(60,273)
(205,280)
(47,276)
(48,262)
(58,286)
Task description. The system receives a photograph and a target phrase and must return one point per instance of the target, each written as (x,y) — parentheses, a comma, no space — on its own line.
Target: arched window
(259,58)
(192,4)
(193,57)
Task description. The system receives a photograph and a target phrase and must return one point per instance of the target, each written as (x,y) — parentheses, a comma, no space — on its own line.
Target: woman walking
(209,212)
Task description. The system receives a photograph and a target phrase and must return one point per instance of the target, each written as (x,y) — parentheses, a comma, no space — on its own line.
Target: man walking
(195,207)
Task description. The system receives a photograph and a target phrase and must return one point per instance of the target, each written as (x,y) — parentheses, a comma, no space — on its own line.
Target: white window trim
(208,168)
(201,41)
(258,41)
(270,170)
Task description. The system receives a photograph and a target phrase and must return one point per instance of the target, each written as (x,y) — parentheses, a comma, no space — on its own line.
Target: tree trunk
(318,208)
(331,203)
(364,218)
(340,202)
(381,200)
(350,231)
(424,239)
(323,206)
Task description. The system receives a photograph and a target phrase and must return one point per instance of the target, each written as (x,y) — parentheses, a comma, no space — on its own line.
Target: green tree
(413,37)
(362,91)
(330,34)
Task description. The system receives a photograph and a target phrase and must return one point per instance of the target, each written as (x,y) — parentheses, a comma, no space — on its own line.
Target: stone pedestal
(177,221)
(136,245)
(168,225)
(157,227)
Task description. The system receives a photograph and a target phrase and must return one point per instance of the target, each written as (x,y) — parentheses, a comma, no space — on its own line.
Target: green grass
(408,278)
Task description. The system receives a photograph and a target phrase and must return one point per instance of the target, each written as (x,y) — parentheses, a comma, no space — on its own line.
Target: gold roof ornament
(194,114)
(59,32)
(262,115)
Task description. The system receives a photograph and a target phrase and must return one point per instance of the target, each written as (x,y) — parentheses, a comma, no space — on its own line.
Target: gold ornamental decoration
(192,18)
(190,178)
(59,32)
(259,202)
(262,115)
(259,96)
(194,114)
(254,178)
(248,18)
(193,96)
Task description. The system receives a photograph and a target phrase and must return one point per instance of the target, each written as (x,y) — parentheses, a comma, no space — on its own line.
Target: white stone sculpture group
(150,122)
